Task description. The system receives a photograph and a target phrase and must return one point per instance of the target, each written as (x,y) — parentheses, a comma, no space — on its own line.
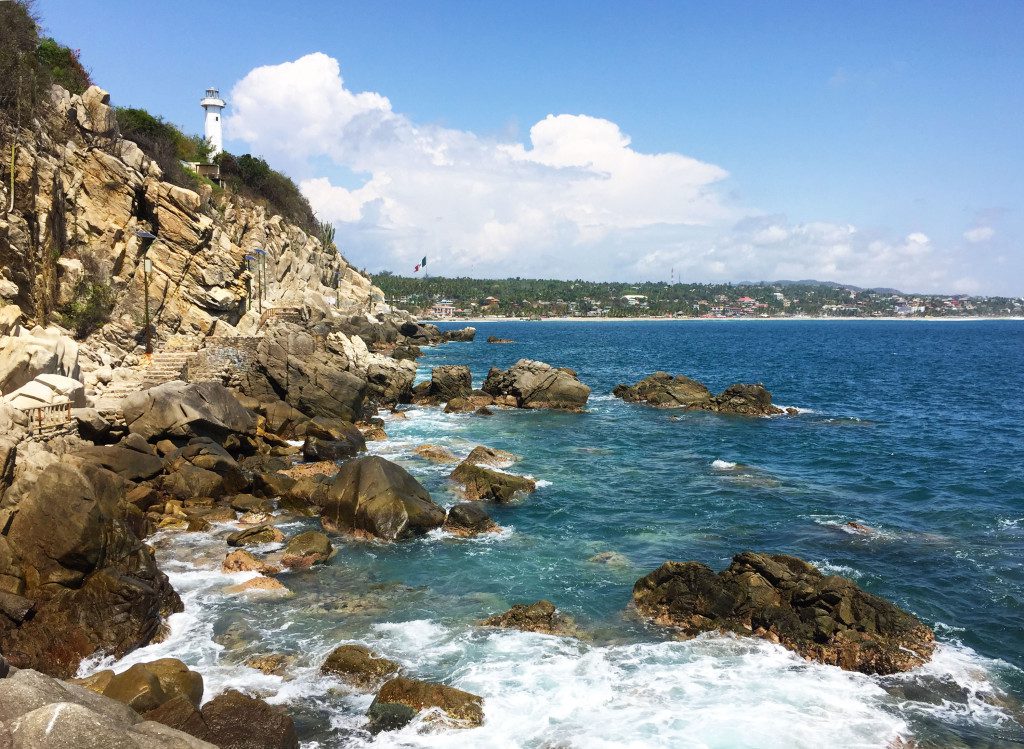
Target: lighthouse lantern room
(213,105)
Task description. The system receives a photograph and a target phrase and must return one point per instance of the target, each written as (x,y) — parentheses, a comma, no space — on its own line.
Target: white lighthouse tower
(213,105)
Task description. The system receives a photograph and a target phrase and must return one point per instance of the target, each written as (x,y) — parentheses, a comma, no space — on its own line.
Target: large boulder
(26,354)
(306,549)
(662,390)
(465,335)
(231,720)
(126,462)
(374,497)
(44,713)
(48,390)
(400,699)
(146,686)
(92,585)
(788,601)
(446,383)
(534,384)
(180,411)
(360,667)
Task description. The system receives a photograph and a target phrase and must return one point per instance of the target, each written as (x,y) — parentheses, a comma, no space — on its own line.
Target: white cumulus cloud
(576,199)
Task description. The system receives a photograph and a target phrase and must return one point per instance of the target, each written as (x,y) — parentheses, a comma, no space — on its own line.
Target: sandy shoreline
(470,320)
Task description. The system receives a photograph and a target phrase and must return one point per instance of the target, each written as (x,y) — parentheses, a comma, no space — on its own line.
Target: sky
(871,143)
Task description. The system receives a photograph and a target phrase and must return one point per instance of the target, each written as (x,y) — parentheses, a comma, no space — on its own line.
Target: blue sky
(874,143)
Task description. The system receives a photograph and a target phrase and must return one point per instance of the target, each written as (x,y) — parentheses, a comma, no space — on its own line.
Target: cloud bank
(577,200)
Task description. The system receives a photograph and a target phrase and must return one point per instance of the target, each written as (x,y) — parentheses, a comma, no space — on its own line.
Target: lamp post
(261,266)
(248,281)
(147,268)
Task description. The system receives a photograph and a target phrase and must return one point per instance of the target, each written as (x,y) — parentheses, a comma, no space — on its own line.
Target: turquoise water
(912,428)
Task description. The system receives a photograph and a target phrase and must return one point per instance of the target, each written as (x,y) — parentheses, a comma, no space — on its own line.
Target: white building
(213,105)
(444,308)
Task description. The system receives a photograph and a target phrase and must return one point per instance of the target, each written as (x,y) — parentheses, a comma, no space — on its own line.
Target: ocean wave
(723,465)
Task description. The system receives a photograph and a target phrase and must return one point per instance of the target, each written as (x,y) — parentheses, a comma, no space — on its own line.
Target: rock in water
(87,581)
(469,519)
(435,454)
(400,699)
(541,616)
(360,666)
(483,483)
(450,381)
(662,390)
(306,549)
(534,384)
(786,600)
(231,720)
(378,498)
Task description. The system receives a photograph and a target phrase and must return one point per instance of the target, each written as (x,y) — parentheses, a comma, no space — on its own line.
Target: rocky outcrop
(662,390)
(306,549)
(496,339)
(401,699)
(542,617)
(74,577)
(436,454)
(788,601)
(146,686)
(360,667)
(376,498)
(44,713)
(534,384)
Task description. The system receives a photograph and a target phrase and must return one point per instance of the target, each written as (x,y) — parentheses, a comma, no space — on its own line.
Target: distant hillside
(524,297)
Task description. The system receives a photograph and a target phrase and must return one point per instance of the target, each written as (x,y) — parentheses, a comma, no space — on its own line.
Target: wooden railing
(47,417)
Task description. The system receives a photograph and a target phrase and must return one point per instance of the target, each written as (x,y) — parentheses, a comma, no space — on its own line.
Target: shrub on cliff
(164,143)
(253,177)
(90,308)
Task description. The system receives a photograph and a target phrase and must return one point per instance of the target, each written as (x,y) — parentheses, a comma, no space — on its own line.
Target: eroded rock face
(88,581)
(534,384)
(375,497)
(786,600)
(542,617)
(359,666)
(231,720)
(446,383)
(400,699)
(662,390)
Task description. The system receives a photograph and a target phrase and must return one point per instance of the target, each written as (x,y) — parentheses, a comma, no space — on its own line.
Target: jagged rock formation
(788,601)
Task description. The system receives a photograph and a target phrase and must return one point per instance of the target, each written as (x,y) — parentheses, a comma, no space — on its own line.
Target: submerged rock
(489,456)
(401,699)
(535,384)
(542,617)
(435,454)
(359,666)
(788,601)
(469,519)
(255,536)
(375,497)
(496,339)
(662,390)
(306,549)
(241,560)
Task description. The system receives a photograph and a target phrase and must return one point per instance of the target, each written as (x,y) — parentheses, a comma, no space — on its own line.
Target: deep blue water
(912,428)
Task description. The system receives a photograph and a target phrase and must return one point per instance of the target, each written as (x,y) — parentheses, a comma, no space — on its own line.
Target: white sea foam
(542,483)
(842,570)
(723,465)
(542,691)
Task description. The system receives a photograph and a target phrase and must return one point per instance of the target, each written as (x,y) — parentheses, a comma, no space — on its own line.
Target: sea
(914,429)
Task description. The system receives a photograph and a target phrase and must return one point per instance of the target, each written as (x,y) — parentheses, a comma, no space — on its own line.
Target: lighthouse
(213,105)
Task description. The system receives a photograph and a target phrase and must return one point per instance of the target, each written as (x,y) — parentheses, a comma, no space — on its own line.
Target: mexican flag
(421,264)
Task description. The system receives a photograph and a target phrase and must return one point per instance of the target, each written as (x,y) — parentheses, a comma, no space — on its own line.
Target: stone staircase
(164,367)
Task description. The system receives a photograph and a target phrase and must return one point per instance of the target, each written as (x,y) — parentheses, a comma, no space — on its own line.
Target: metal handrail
(48,415)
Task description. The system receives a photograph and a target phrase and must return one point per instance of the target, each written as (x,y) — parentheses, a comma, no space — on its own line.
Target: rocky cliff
(82,192)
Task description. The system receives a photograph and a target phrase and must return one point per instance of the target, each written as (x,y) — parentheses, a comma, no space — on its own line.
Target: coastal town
(443,298)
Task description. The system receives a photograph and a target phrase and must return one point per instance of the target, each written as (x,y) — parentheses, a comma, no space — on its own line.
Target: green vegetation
(90,308)
(29,64)
(524,297)
(253,178)
(164,143)
(325,230)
